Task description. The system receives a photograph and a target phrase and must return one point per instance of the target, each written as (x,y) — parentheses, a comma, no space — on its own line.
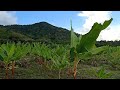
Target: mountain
(41,31)
(7,35)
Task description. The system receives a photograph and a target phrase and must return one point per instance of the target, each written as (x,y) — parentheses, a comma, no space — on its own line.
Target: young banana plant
(86,43)
(102,74)
(21,51)
(6,53)
(59,59)
(11,52)
(42,50)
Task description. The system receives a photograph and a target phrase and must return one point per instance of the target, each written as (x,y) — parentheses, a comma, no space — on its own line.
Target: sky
(82,21)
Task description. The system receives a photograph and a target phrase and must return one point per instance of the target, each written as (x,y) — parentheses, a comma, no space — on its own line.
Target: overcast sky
(82,20)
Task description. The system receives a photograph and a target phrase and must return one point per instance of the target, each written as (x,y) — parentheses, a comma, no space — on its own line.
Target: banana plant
(46,52)
(21,51)
(86,43)
(11,52)
(6,53)
(42,50)
(59,59)
(102,74)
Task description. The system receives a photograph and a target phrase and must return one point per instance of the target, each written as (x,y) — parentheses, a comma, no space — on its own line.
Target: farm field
(52,62)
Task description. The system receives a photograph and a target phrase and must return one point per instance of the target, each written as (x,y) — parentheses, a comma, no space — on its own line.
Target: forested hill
(41,31)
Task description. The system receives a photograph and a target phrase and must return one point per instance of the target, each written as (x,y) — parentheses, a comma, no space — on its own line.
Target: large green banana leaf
(88,40)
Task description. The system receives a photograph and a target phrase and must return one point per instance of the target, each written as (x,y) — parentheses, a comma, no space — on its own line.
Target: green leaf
(73,54)
(74,39)
(11,51)
(107,23)
(1,58)
(98,50)
(2,54)
(88,40)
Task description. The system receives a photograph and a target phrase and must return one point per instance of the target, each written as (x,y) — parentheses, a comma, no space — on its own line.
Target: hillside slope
(41,31)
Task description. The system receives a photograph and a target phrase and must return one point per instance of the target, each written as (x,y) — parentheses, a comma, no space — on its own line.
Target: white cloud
(7,18)
(110,33)
(113,33)
(94,16)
